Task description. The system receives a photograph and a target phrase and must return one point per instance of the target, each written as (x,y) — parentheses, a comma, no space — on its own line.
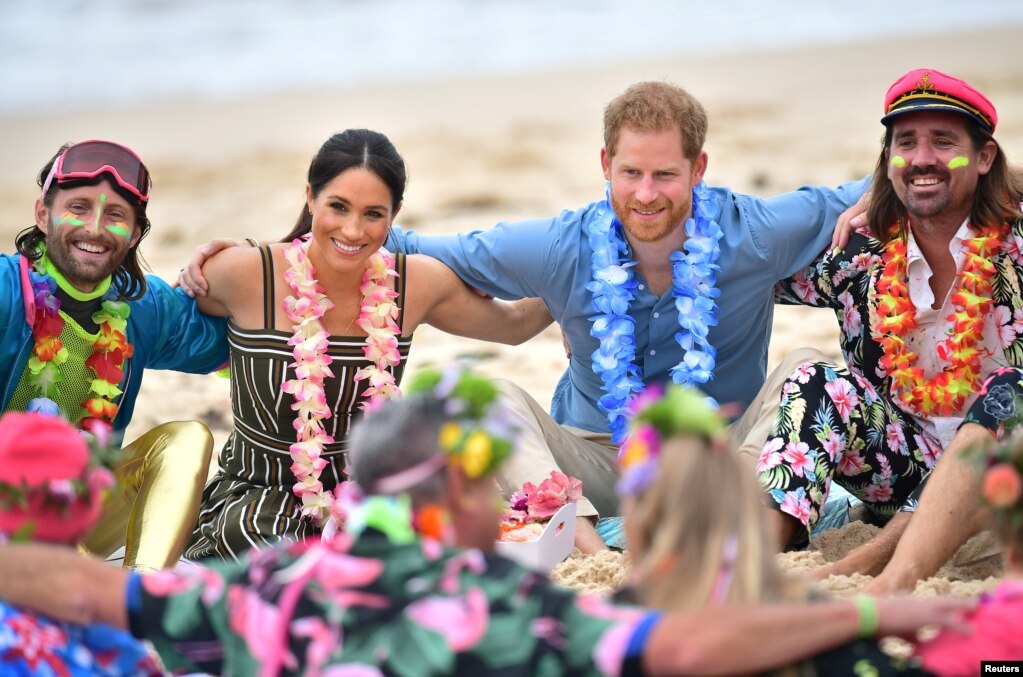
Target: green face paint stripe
(99,212)
(119,229)
(958,162)
(898,161)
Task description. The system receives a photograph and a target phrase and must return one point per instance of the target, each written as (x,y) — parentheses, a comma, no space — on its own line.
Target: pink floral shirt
(369,607)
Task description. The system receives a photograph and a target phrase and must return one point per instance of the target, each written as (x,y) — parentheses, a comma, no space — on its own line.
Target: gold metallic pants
(154,507)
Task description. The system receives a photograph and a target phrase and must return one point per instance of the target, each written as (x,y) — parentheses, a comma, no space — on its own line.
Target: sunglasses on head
(89,159)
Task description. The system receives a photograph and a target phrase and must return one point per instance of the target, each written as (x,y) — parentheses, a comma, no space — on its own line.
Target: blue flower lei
(694,274)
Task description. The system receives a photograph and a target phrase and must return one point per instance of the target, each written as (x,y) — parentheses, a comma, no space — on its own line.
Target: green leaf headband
(656,416)
(479,434)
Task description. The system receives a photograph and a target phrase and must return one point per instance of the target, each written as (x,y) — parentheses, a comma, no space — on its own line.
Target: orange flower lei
(110,349)
(945,393)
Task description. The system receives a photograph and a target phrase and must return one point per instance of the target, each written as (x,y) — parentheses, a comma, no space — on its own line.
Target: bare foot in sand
(872,557)
(890,582)
(869,559)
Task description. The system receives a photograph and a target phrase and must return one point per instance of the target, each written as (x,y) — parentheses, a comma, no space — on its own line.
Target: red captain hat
(926,89)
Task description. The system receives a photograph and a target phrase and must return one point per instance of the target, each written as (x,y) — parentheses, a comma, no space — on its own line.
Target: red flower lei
(945,393)
(110,349)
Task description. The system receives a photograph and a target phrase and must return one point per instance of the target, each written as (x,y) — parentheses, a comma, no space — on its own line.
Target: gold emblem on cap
(924,83)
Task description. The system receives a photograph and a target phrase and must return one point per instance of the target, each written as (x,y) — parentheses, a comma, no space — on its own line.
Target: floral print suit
(371,607)
(842,422)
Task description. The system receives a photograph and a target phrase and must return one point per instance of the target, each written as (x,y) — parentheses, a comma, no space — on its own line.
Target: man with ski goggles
(80,322)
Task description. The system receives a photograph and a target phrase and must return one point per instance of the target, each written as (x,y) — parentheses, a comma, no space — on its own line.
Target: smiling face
(351,218)
(934,167)
(89,231)
(652,182)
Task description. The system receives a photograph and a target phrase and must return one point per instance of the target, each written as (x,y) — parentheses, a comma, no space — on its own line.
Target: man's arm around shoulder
(509,261)
(180,337)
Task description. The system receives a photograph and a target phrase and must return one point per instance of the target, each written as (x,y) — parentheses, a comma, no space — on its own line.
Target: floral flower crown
(479,434)
(66,494)
(1003,480)
(656,416)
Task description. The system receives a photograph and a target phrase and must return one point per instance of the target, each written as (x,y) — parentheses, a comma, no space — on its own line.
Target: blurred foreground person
(411,586)
(996,625)
(696,530)
(52,493)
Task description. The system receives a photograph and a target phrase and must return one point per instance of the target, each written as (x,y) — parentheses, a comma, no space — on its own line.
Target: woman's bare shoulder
(427,267)
(235,276)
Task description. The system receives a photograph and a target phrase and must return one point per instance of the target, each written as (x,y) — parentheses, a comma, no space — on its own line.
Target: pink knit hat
(47,487)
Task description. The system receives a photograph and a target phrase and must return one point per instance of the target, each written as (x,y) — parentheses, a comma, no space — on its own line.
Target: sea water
(99,53)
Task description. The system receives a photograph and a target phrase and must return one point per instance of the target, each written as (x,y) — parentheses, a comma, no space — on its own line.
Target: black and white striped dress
(249,503)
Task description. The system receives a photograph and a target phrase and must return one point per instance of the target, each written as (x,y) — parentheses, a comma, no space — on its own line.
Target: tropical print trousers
(833,425)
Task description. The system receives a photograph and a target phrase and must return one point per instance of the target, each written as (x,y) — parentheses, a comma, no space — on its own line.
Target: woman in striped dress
(321,324)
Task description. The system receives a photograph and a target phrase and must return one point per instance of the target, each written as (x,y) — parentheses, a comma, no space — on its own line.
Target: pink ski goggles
(89,159)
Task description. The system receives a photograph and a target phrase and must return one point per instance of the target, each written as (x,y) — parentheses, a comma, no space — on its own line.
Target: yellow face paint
(898,161)
(68,219)
(958,162)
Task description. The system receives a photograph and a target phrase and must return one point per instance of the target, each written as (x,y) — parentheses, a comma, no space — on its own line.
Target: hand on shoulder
(231,275)
(192,278)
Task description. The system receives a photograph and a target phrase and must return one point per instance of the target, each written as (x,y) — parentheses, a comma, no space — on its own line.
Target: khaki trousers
(545,445)
(750,432)
(153,508)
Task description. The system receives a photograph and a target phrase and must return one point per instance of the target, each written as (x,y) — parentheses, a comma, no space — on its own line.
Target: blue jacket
(165,327)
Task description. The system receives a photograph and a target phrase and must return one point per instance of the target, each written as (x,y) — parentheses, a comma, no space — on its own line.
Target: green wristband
(866,607)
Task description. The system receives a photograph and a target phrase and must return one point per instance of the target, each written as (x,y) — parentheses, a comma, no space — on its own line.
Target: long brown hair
(995,202)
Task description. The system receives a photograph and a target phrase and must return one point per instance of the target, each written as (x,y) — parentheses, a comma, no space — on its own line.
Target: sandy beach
(506,148)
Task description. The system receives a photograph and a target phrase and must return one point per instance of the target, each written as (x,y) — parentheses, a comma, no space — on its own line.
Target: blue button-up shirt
(765,240)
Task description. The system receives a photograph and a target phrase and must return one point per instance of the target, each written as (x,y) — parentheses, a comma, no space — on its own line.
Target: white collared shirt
(932,327)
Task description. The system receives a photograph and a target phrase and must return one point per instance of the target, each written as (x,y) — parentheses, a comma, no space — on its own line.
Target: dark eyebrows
(348,202)
(113,200)
(942,132)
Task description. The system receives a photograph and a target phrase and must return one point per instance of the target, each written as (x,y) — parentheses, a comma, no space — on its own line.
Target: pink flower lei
(378,318)
(306,308)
